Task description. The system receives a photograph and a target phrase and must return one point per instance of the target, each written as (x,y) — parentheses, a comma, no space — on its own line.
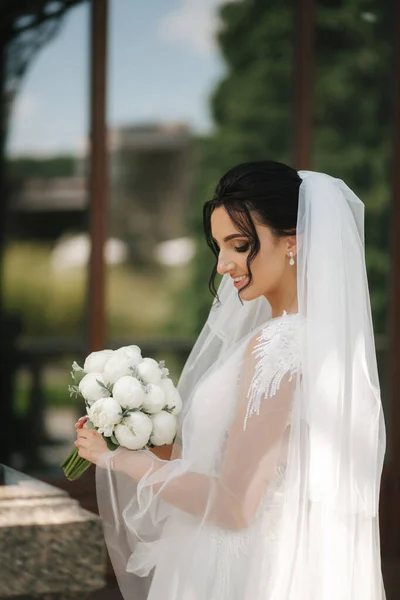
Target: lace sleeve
(248,460)
(256,441)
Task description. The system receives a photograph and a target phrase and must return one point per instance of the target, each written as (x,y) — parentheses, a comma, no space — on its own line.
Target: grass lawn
(51,301)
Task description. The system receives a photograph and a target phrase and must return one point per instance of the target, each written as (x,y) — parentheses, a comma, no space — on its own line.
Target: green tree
(353,118)
(252,111)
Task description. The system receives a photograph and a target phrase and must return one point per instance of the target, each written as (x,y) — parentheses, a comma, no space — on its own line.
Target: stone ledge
(50,547)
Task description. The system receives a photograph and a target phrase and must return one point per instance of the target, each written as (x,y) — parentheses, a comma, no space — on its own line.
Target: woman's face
(270,266)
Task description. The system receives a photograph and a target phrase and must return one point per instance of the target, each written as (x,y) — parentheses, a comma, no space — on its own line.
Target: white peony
(91,389)
(154,399)
(134,431)
(151,361)
(164,428)
(149,372)
(134,353)
(174,400)
(119,365)
(129,392)
(105,414)
(95,362)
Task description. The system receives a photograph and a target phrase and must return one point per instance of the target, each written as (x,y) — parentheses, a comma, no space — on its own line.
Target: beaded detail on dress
(277,352)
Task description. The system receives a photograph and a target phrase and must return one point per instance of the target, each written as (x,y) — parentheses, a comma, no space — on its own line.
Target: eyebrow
(233,236)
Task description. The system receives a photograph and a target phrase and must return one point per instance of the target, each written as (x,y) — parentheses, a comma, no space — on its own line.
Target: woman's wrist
(107,459)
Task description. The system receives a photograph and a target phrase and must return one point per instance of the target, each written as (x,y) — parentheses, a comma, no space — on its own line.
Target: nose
(223,268)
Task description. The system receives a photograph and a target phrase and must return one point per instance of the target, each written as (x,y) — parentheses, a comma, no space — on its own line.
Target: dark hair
(267,190)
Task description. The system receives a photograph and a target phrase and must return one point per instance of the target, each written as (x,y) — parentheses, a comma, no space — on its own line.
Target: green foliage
(252,118)
(137,304)
(352,135)
(56,395)
(252,110)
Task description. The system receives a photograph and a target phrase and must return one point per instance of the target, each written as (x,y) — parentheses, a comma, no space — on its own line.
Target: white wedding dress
(272,491)
(216,561)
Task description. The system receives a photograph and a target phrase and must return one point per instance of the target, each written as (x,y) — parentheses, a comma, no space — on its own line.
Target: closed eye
(243,248)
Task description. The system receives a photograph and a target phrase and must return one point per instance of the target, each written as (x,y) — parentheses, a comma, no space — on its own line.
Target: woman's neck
(284,300)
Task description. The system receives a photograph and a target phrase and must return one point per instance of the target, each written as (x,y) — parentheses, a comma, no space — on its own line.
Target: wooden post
(303,65)
(98,178)
(3,134)
(394,324)
(390,489)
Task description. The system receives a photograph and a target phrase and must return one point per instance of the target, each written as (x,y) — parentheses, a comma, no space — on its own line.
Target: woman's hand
(90,443)
(80,422)
(162,452)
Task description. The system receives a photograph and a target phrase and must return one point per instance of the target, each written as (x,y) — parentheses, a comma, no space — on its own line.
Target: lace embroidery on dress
(229,545)
(277,352)
(232,545)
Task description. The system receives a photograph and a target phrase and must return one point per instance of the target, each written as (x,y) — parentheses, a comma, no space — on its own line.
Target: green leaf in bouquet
(114,440)
(108,387)
(77,373)
(74,391)
(135,374)
(110,444)
(163,369)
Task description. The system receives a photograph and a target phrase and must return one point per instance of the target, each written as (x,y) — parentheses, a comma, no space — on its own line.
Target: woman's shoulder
(279,330)
(277,342)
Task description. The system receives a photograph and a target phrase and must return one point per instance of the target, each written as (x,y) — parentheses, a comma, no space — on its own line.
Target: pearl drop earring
(291,261)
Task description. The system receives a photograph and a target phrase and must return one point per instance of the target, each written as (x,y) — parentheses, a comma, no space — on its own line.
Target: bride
(272,488)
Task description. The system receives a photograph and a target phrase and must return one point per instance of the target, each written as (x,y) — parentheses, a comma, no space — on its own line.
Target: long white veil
(326,542)
(230,320)
(338,438)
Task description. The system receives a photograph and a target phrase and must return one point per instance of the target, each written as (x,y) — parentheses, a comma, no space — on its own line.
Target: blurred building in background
(44,209)
(150,177)
(150,192)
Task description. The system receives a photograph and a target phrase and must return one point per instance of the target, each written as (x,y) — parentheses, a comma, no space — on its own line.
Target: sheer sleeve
(252,448)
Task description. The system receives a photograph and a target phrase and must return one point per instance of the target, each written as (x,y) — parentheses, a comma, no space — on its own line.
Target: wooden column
(3,135)
(394,327)
(390,489)
(98,178)
(303,65)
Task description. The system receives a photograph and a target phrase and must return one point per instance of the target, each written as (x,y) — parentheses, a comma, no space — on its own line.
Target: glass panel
(24,484)
(46,251)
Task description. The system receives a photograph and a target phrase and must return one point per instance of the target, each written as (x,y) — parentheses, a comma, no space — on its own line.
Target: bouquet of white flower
(130,400)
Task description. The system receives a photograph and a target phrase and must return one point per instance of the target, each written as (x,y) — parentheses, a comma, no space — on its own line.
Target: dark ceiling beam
(13,11)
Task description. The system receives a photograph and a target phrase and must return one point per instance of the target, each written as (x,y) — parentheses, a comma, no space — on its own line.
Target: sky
(163,65)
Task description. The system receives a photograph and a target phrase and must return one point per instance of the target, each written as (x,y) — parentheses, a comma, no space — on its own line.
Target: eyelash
(243,248)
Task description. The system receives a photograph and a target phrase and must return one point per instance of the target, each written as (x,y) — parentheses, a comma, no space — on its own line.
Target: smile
(240,281)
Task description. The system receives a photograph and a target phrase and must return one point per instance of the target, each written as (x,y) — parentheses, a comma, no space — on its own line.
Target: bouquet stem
(74,465)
